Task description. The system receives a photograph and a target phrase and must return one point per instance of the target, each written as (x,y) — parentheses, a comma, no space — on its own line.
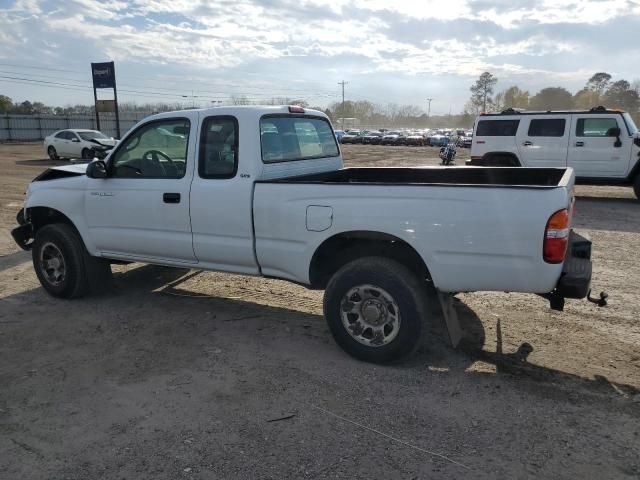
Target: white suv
(602,146)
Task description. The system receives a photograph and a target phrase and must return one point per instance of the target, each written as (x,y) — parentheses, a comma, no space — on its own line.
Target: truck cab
(601,145)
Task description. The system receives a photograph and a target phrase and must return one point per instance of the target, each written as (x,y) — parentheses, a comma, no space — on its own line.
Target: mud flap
(450,318)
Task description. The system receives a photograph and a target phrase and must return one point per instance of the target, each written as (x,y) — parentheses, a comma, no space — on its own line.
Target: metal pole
(343,83)
(115,99)
(95,106)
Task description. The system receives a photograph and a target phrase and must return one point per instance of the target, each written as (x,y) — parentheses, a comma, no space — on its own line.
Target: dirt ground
(181,374)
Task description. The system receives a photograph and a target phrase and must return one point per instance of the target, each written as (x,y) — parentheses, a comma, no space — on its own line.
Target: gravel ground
(181,374)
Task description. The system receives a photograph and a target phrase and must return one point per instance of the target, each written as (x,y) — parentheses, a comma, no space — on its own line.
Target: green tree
(552,98)
(621,95)
(6,104)
(515,98)
(586,99)
(599,82)
(482,90)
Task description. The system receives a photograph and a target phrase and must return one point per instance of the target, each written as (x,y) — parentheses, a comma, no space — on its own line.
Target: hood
(111,142)
(64,171)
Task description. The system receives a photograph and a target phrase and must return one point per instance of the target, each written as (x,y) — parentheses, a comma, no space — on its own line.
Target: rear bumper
(474,162)
(575,279)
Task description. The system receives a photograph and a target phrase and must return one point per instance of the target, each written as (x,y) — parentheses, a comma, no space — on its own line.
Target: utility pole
(429,107)
(343,83)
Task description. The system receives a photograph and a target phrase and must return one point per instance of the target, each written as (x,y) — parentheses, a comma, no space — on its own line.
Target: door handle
(171,197)
(579,144)
(527,143)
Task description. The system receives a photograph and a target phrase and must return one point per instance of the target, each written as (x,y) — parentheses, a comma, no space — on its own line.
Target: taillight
(556,237)
(295,109)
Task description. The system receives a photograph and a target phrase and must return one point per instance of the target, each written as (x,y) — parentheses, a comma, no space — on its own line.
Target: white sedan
(76,143)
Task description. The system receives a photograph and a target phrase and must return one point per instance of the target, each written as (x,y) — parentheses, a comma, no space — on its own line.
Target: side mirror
(636,139)
(97,169)
(613,132)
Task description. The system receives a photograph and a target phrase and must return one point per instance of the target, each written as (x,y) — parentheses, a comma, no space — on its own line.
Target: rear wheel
(63,265)
(375,308)
(51,151)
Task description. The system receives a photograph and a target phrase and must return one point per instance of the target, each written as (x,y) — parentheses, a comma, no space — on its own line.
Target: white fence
(36,127)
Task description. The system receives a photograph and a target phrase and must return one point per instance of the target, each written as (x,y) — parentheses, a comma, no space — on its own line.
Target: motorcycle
(448,154)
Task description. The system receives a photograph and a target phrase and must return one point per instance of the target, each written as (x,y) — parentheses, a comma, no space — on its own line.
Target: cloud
(518,40)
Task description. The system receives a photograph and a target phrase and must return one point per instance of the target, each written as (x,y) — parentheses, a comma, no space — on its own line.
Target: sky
(389,51)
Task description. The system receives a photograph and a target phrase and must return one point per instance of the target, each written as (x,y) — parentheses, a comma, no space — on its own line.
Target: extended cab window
(547,127)
(497,128)
(218,147)
(595,127)
(286,138)
(156,150)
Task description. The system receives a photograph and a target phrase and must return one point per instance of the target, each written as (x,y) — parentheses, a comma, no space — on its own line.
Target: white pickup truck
(602,146)
(263,191)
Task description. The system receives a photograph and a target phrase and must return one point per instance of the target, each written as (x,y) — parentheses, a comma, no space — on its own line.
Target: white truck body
(473,228)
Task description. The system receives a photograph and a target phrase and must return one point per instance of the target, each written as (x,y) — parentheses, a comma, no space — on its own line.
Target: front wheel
(375,308)
(636,186)
(87,154)
(63,265)
(53,154)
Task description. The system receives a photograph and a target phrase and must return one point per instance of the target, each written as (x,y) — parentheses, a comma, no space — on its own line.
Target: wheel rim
(370,315)
(52,264)
(52,153)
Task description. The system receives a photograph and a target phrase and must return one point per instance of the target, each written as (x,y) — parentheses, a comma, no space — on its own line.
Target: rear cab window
(286,138)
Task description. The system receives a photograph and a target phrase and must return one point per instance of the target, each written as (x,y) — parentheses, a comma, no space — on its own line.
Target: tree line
(600,89)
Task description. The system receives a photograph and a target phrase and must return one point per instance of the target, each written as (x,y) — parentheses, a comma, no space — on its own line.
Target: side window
(497,128)
(595,127)
(218,147)
(62,135)
(156,150)
(287,138)
(547,127)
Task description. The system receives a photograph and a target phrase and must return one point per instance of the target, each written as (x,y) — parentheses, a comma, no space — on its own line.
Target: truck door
(141,210)
(543,140)
(222,195)
(594,151)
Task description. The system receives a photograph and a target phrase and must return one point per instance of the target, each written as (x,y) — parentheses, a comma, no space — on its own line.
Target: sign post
(104,76)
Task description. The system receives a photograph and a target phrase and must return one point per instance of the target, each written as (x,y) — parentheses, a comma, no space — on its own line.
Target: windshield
(631,126)
(92,135)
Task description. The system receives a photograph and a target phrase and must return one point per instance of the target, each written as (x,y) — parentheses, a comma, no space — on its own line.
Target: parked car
(372,138)
(390,138)
(350,136)
(601,145)
(415,138)
(465,139)
(296,214)
(77,143)
(339,134)
(438,140)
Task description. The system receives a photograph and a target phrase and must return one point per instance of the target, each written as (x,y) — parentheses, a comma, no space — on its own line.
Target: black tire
(636,186)
(53,154)
(80,272)
(87,154)
(395,280)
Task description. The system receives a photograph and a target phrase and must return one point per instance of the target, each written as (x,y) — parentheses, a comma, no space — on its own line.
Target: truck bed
(450,176)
